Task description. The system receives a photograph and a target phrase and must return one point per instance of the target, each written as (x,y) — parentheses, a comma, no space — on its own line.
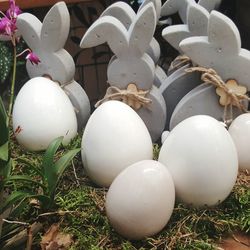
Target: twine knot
(131,96)
(230,92)
(179,62)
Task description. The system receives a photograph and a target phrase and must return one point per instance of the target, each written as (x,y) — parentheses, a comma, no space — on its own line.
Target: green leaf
(61,165)
(4,135)
(21,196)
(12,199)
(31,166)
(5,61)
(5,170)
(25,178)
(48,166)
(4,151)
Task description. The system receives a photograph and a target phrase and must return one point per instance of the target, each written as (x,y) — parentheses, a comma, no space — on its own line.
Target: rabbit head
(132,64)
(220,50)
(47,40)
(210,5)
(125,14)
(173,6)
(197,22)
(157,5)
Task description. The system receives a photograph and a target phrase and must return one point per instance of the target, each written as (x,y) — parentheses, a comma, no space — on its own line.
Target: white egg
(202,158)
(41,113)
(240,132)
(141,199)
(114,138)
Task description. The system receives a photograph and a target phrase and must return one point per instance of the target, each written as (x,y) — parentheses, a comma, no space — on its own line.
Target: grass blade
(31,166)
(4,151)
(61,165)
(48,161)
(14,178)
(12,199)
(4,135)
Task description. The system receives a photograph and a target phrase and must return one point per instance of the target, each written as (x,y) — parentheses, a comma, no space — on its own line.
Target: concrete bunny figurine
(47,40)
(221,51)
(125,14)
(179,83)
(132,64)
(173,6)
(197,22)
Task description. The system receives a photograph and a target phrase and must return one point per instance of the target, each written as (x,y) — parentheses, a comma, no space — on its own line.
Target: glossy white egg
(42,112)
(141,199)
(202,158)
(114,138)
(240,132)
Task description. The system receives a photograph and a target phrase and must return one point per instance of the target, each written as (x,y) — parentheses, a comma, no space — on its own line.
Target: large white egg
(42,112)
(114,138)
(202,158)
(141,199)
(240,132)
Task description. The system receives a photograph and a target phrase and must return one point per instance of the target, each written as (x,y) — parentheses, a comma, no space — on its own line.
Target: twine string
(131,96)
(179,62)
(210,76)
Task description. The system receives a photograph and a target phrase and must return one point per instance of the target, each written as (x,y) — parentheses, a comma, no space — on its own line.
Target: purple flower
(13,10)
(33,58)
(7,26)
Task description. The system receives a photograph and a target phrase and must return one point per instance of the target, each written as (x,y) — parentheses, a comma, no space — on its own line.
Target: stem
(2,14)
(26,50)
(12,85)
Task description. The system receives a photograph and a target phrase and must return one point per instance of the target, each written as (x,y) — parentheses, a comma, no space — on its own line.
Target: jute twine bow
(179,62)
(132,96)
(231,94)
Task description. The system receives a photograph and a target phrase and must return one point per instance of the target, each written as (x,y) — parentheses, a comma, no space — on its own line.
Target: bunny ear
(210,5)
(55,28)
(142,29)
(175,34)
(122,11)
(223,33)
(197,20)
(173,6)
(157,4)
(170,7)
(29,27)
(107,29)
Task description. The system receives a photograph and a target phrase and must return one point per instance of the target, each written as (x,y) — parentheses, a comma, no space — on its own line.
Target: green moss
(188,228)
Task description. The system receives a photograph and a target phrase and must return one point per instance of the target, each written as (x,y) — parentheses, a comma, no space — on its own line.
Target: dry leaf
(55,240)
(236,242)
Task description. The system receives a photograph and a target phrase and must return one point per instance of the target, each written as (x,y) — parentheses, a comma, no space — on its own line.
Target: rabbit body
(131,63)
(47,40)
(221,51)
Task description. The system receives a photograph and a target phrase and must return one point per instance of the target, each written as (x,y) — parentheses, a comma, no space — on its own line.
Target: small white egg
(41,113)
(240,132)
(202,158)
(140,201)
(114,138)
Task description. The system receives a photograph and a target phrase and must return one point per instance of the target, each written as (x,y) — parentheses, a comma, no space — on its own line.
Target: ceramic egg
(42,112)
(140,200)
(202,159)
(240,132)
(114,138)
